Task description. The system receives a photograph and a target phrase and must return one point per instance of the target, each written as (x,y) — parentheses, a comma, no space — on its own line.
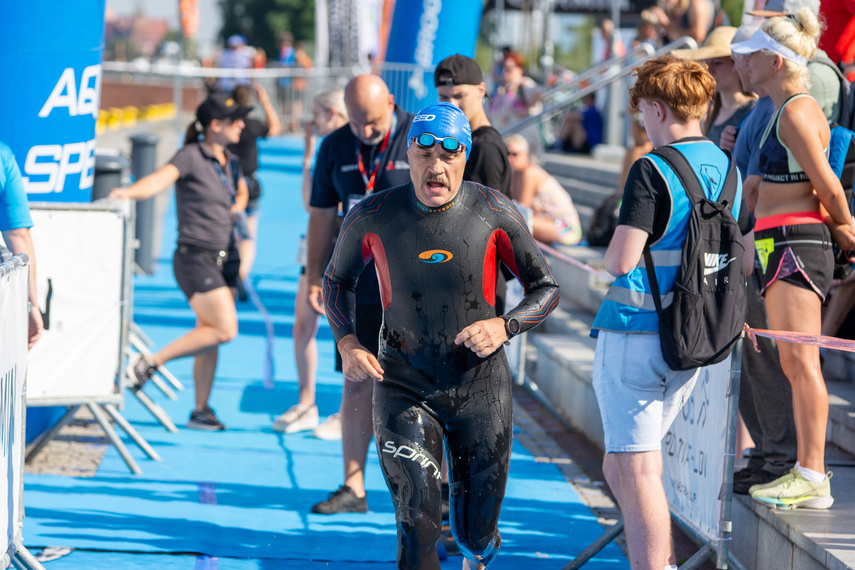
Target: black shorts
(369,319)
(199,273)
(799,254)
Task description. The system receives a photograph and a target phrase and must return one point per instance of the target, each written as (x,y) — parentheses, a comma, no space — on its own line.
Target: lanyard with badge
(241,226)
(369,180)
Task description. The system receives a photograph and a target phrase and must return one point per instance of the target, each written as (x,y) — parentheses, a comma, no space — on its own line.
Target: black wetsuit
(437,272)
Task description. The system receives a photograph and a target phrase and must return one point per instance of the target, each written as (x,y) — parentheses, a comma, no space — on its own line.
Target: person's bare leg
(841,303)
(216,324)
(543,230)
(204,369)
(356,431)
(645,509)
(305,345)
(795,309)
(246,248)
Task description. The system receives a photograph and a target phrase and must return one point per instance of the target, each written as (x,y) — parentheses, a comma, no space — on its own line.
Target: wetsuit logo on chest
(435,256)
(407,452)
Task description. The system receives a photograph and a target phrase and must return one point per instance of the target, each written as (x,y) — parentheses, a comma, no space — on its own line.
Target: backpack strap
(687,175)
(694,190)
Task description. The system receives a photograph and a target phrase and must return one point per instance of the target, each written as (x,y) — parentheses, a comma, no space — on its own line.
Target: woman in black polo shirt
(209,191)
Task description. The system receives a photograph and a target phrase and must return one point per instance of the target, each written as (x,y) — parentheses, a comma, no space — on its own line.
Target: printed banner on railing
(13,371)
(80,272)
(693,452)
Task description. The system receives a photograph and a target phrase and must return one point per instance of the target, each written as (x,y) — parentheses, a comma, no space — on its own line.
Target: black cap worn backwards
(220,106)
(459,69)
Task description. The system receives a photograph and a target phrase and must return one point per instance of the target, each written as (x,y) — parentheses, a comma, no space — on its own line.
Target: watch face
(513,326)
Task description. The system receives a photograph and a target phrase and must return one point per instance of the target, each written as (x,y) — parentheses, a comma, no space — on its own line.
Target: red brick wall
(119,94)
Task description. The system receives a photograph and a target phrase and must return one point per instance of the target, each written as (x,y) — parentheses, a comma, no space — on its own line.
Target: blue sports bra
(776,160)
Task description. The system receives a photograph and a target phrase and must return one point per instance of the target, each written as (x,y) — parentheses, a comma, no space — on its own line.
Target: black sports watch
(512,326)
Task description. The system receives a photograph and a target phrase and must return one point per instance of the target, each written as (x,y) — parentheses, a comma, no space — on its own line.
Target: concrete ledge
(579,286)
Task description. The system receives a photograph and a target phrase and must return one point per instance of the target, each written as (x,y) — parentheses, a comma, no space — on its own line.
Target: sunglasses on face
(427,140)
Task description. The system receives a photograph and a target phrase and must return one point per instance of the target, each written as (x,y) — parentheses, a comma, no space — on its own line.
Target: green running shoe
(793,491)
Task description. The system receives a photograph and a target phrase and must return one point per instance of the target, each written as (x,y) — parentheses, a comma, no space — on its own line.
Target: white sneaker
(330,429)
(298,418)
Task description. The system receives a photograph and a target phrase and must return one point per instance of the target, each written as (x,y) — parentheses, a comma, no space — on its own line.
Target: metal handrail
(611,75)
(639,51)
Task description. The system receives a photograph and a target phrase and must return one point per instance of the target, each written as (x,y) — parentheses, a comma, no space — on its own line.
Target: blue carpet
(241,498)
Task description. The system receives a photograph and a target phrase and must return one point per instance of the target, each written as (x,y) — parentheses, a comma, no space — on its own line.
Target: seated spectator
(555,220)
(678,18)
(582,129)
(731,103)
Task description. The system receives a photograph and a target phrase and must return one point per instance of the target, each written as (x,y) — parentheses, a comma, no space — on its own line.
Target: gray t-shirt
(204,194)
(735,120)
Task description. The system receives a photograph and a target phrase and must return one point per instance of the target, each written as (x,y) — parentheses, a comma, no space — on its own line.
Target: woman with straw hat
(731,104)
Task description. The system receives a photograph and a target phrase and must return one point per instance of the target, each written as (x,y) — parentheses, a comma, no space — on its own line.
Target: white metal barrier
(85,261)
(14,301)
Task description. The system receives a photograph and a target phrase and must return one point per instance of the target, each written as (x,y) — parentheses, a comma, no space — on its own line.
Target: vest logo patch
(711,176)
(435,256)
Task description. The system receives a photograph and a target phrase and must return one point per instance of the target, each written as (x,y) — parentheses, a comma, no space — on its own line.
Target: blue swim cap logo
(419,118)
(435,256)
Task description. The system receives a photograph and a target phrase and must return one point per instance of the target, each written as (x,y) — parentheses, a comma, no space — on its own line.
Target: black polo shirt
(337,179)
(246,148)
(488,161)
(337,174)
(204,197)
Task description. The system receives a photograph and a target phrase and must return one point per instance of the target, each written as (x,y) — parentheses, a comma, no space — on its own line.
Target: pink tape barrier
(575,262)
(801,338)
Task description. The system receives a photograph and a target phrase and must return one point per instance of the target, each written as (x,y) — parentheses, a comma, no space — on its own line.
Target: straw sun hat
(716,45)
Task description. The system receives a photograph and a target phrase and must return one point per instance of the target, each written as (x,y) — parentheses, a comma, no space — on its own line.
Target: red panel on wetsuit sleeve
(500,244)
(372,248)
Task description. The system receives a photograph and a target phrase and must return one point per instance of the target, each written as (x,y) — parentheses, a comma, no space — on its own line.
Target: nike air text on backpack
(707,312)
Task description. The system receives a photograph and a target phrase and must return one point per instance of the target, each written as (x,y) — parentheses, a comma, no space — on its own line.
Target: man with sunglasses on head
(440,372)
(366,155)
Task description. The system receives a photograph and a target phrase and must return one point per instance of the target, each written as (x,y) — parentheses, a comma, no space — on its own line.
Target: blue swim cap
(442,120)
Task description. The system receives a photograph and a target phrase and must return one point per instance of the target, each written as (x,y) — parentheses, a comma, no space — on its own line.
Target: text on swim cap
(418,118)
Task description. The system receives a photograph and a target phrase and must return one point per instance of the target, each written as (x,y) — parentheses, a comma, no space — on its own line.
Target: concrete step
(762,539)
(583,168)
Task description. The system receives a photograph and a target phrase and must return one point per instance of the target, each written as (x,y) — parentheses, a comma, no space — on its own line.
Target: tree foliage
(261,21)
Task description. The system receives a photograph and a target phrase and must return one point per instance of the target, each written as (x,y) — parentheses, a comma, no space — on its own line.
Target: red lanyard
(369,181)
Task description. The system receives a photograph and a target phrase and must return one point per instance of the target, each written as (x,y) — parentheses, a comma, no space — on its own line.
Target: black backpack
(707,313)
(604,220)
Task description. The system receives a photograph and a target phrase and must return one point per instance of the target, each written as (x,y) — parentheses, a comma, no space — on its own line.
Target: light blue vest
(629,304)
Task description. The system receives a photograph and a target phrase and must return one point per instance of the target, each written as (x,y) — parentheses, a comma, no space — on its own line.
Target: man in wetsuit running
(437,244)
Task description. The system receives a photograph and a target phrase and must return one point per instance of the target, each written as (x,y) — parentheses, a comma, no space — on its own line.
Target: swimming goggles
(427,140)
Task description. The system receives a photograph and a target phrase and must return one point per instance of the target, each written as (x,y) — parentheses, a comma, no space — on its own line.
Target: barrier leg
(102,419)
(699,557)
(138,332)
(134,434)
(138,344)
(35,447)
(596,546)
(167,391)
(24,560)
(726,526)
(155,410)
(522,343)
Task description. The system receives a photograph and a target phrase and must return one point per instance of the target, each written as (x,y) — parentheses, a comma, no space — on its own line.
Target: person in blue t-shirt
(15,223)
(638,394)
(582,130)
(765,396)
